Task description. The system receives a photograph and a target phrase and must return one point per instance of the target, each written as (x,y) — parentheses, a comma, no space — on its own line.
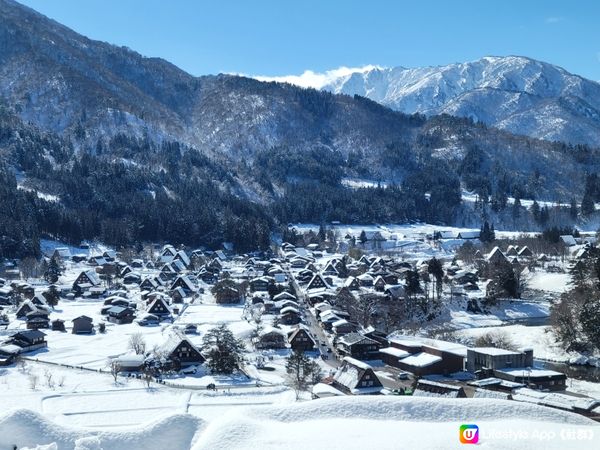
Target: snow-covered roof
(421,359)
(393,351)
(284,296)
(357,363)
(289,309)
(530,372)
(568,239)
(269,329)
(493,351)
(131,360)
(326,390)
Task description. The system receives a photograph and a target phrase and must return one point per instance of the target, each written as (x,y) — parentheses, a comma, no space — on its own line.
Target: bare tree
(115,367)
(497,339)
(147,376)
(21,364)
(49,378)
(28,267)
(33,381)
(137,344)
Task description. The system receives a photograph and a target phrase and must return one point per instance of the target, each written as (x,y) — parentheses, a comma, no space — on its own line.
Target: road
(312,323)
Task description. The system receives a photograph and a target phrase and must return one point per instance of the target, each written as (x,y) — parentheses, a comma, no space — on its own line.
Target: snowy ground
(549,282)
(339,423)
(89,399)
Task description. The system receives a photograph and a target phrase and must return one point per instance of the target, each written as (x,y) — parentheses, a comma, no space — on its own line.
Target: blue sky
(287,37)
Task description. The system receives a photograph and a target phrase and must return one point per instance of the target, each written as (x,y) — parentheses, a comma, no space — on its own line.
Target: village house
(513,366)
(178,295)
(426,388)
(425,357)
(184,282)
(491,358)
(260,284)
(38,319)
(149,284)
(58,325)
(86,280)
(83,325)
(131,363)
(158,307)
(120,315)
(289,316)
(356,378)
(342,327)
(270,338)
(28,341)
(179,350)
(317,282)
(357,346)
(301,340)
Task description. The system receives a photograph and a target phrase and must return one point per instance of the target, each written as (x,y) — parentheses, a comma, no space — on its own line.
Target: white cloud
(553,20)
(318,80)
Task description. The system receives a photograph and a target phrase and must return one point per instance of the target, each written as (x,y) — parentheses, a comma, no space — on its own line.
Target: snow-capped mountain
(514,93)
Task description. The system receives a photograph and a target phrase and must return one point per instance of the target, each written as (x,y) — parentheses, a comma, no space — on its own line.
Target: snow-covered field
(336,423)
(550,282)
(540,338)
(89,399)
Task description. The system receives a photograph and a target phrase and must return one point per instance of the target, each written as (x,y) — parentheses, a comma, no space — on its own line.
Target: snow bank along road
(336,423)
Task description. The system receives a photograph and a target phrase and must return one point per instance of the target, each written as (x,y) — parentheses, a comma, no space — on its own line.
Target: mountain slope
(132,149)
(518,94)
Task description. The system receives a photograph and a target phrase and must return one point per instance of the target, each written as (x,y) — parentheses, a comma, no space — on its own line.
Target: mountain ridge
(501,91)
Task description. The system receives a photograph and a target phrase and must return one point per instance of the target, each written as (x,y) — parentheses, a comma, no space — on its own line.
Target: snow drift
(343,422)
(25,428)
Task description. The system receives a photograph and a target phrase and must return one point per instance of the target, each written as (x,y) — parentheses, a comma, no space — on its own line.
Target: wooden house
(317,282)
(426,388)
(379,284)
(87,279)
(149,284)
(58,325)
(159,308)
(289,316)
(83,325)
(352,283)
(301,340)
(179,350)
(178,295)
(356,378)
(358,346)
(184,282)
(271,338)
(120,315)
(29,340)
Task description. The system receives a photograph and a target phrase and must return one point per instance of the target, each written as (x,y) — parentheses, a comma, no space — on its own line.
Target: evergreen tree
(413,283)
(363,237)
(589,318)
(52,296)
(224,352)
(301,372)
(322,233)
(535,211)
(587,204)
(487,233)
(573,209)
(516,208)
